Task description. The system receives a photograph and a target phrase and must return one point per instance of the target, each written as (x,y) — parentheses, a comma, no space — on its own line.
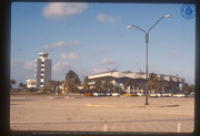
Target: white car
(95,94)
(166,95)
(108,94)
(155,95)
(139,94)
(114,94)
(179,95)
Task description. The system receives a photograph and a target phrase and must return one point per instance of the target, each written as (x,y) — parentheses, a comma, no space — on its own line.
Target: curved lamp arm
(166,16)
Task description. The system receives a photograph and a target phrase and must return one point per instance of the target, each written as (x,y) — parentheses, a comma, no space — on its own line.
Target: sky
(90,38)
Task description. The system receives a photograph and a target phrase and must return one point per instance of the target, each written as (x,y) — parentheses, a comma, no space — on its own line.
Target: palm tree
(86,85)
(108,84)
(153,83)
(70,85)
(98,85)
(185,88)
(53,84)
(72,81)
(12,82)
(20,85)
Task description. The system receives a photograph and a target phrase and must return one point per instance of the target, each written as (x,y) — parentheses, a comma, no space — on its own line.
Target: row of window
(31,83)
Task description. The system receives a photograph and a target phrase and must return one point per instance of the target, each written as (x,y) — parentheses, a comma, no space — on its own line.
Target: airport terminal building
(120,78)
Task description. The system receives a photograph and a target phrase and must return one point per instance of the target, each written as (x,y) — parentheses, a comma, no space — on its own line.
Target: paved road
(103,114)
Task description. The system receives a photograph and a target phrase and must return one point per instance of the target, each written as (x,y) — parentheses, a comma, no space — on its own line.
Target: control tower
(42,70)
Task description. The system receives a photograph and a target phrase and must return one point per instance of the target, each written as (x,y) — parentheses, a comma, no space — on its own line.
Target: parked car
(179,95)
(95,94)
(136,94)
(166,95)
(127,94)
(88,94)
(192,95)
(155,95)
(108,94)
(115,94)
(139,94)
(101,94)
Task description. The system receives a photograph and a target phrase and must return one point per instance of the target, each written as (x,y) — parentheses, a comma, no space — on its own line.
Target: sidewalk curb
(129,106)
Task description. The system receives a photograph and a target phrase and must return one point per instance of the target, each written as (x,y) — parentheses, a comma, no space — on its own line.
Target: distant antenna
(112,70)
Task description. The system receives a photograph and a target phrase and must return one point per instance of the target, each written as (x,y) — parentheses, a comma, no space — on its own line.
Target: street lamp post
(147,41)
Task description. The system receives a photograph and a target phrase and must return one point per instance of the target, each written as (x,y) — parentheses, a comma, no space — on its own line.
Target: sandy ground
(101,114)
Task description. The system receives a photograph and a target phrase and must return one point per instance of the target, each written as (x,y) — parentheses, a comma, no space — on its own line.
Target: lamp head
(167,16)
(129,27)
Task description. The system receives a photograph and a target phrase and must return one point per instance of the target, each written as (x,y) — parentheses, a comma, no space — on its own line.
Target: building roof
(135,75)
(127,72)
(105,72)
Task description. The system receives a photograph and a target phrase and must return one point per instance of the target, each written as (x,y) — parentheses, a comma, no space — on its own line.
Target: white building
(43,70)
(120,79)
(31,83)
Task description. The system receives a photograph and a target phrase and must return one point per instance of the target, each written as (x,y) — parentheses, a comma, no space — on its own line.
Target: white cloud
(60,10)
(70,56)
(107,61)
(60,66)
(29,65)
(62,44)
(105,18)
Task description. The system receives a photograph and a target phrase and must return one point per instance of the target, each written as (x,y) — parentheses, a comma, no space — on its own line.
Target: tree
(153,83)
(72,75)
(53,84)
(12,82)
(86,85)
(192,88)
(185,88)
(98,85)
(108,85)
(20,85)
(24,87)
(72,81)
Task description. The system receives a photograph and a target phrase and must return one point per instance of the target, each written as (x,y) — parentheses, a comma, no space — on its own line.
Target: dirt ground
(101,114)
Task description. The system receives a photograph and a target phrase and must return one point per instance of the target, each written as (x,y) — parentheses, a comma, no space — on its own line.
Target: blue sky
(89,38)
